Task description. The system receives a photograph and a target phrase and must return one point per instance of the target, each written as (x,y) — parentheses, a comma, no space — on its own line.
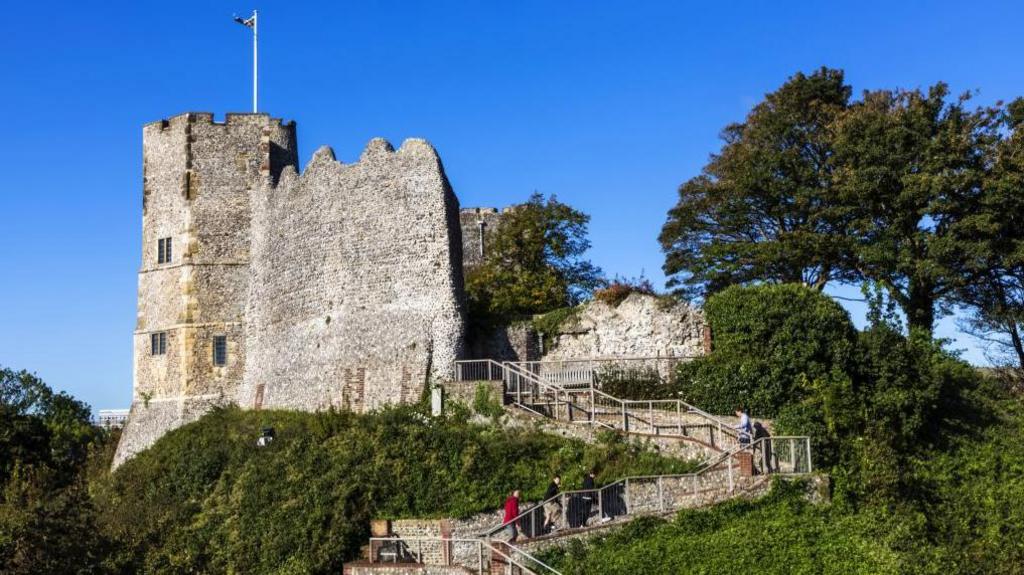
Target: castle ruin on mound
(341,286)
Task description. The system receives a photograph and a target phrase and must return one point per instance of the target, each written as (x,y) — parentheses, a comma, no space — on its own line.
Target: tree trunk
(1018,346)
(920,306)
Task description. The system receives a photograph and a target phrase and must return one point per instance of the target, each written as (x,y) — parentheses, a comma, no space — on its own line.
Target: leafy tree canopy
(757,212)
(813,188)
(534,263)
(911,166)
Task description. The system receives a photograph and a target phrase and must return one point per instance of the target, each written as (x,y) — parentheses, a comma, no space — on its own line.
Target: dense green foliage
(634,383)
(871,400)
(485,403)
(533,264)
(206,499)
(772,345)
(902,188)
(963,513)
(924,455)
(549,324)
(755,212)
(47,523)
(781,533)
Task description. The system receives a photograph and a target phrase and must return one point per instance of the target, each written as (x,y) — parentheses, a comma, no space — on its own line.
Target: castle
(340,286)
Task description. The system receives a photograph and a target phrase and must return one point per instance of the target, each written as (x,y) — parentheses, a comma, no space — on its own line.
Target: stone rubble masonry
(341,286)
(356,290)
(516,342)
(365,568)
(477,224)
(640,326)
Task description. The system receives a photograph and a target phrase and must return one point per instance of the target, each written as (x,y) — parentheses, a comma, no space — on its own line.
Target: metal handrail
(479,542)
(549,568)
(564,396)
(727,428)
(493,368)
(760,443)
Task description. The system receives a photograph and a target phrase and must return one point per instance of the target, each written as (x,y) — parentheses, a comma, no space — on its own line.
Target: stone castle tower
(340,286)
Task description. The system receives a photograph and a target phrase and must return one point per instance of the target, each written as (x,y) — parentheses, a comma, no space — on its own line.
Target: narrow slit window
(158,343)
(220,350)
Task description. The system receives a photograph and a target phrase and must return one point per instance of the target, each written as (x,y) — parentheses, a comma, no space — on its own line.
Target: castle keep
(340,286)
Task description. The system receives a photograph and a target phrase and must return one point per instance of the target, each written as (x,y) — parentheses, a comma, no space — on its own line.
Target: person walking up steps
(743,427)
(590,497)
(552,509)
(511,512)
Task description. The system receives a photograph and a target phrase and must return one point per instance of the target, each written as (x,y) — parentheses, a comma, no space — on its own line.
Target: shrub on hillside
(899,398)
(781,533)
(619,289)
(486,404)
(633,383)
(205,499)
(773,345)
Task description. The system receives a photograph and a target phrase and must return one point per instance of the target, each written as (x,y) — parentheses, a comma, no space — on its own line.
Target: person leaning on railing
(761,432)
(743,427)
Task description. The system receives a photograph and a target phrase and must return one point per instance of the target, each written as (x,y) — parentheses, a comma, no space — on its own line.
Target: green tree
(992,232)
(47,522)
(909,167)
(758,210)
(534,263)
(38,425)
(47,526)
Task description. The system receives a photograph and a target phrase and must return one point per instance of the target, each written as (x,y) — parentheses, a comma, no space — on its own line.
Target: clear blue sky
(609,105)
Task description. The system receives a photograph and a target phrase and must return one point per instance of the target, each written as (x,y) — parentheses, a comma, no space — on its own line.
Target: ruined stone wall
(197,174)
(640,326)
(516,342)
(477,224)
(356,286)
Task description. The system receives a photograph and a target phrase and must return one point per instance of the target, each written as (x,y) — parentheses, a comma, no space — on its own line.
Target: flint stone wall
(356,285)
(364,568)
(477,224)
(197,174)
(516,342)
(640,326)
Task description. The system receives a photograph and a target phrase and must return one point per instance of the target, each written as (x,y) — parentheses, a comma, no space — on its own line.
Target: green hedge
(772,344)
(780,533)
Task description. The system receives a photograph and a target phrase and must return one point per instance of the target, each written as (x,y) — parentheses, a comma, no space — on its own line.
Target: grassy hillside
(961,510)
(206,499)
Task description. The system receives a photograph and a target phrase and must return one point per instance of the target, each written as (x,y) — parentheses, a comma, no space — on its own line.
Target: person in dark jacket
(553,507)
(764,447)
(511,513)
(589,496)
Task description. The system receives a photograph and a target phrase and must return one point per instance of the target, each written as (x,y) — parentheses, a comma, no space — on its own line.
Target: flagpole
(255,69)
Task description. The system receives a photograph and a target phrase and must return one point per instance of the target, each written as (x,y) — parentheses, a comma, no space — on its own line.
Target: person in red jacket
(511,512)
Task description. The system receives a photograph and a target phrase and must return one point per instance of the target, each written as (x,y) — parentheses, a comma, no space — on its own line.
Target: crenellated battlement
(230,119)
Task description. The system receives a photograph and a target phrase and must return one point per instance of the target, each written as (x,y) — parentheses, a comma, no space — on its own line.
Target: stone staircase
(734,469)
(572,395)
(744,471)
